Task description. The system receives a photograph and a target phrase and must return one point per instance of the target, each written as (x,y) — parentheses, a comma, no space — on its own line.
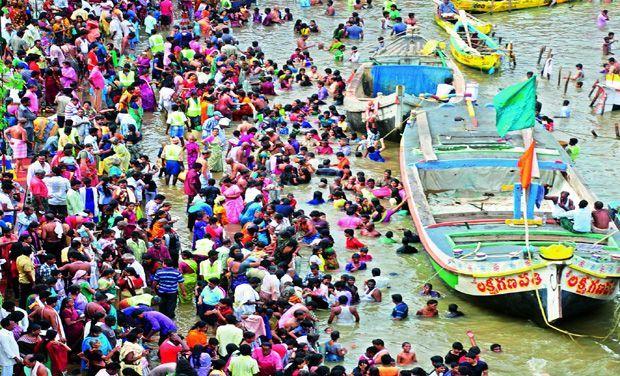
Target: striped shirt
(168,280)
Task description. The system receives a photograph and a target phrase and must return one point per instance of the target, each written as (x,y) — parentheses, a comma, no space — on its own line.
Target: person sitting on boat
(561,203)
(601,218)
(447,10)
(578,220)
(445,89)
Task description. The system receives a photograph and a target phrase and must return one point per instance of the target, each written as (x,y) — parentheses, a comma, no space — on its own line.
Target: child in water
(406,356)
(339,54)
(388,238)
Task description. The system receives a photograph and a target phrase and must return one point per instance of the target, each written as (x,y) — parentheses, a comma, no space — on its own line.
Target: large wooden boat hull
(485,27)
(393,106)
(486,6)
(534,288)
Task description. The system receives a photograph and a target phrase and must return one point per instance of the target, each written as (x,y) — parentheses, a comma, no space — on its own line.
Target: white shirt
(251,193)
(165,98)
(149,24)
(6,200)
(8,348)
(271,285)
(36,165)
(115,26)
(443,90)
(57,187)
(23,323)
(245,293)
(582,219)
(139,269)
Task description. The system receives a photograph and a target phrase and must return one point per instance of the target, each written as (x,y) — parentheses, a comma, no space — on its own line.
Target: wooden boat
(486,6)
(486,55)
(462,186)
(392,83)
(606,94)
(448,26)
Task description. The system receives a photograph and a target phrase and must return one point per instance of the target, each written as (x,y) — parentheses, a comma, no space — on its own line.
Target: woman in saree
(216,147)
(68,76)
(73,324)
(189,268)
(122,153)
(234,202)
(199,227)
(192,149)
(146,91)
(88,164)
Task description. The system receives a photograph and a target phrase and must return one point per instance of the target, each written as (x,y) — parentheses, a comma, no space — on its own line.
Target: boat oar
(463,19)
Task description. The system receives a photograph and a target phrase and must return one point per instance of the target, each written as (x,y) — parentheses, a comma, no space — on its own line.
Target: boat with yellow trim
(475,49)
(447,25)
(487,6)
(465,198)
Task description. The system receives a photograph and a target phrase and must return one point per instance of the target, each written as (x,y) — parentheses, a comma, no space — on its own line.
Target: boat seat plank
(518,237)
(426,141)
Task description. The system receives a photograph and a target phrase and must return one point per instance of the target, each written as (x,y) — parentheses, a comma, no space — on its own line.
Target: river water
(570,30)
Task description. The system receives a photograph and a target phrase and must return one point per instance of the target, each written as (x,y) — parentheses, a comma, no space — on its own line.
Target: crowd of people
(94,266)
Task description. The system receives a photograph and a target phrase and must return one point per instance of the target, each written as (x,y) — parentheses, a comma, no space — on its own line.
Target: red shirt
(168,352)
(353,243)
(38,187)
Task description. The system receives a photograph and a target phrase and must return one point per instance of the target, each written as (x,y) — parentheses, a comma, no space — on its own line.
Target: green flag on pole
(515,107)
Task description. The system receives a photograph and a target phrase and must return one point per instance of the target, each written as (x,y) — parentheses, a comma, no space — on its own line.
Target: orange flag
(526,163)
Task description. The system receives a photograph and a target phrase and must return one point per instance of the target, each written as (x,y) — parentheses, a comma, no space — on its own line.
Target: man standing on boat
(447,10)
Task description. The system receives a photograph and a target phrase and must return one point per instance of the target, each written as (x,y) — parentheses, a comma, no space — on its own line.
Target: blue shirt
(159,322)
(206,208)
(354,32)
(401,311)
(399,28)
(446,8)
(168,280)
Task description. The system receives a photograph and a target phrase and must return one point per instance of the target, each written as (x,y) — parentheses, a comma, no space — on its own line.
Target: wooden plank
(518,237)
(426,141)
(419,198)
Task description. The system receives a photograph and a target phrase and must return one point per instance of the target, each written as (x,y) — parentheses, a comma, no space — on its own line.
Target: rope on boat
(539,300)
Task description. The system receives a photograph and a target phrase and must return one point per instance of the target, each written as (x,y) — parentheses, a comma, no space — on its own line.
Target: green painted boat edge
(451,279)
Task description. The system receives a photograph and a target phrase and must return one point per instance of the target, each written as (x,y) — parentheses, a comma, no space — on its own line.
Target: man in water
(401,309)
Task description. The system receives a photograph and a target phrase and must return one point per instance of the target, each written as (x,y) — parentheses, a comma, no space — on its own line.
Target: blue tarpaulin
(416,79)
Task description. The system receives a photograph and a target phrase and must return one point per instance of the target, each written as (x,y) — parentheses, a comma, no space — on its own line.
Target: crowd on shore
(94,268)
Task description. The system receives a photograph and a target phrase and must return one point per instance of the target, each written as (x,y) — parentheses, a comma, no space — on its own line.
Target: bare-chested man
(18,139)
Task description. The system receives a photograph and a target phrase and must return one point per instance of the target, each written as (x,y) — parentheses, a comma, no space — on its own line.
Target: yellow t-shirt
(25,267)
